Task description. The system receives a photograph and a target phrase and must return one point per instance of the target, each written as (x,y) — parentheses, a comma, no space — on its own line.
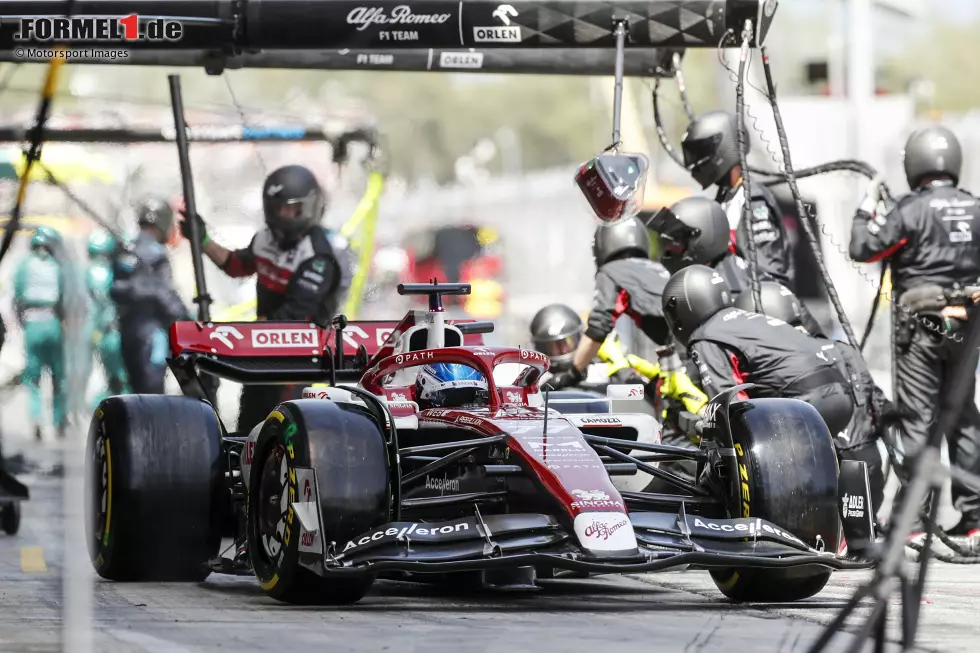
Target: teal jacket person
(102,318)
(38,294)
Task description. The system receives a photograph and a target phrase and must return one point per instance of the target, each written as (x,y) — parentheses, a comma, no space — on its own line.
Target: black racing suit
(148,304)
(859,440)
(927,238)
(735,270)
(734,347)
(772,246)
(306,282)
(633,287)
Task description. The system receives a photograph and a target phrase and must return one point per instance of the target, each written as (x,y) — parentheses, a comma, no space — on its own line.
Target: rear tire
(787,455)
(153,474)
(345,448)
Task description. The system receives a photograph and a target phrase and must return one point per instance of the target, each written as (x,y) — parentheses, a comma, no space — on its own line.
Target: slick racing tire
(330,460)
(788,476)
(154,470)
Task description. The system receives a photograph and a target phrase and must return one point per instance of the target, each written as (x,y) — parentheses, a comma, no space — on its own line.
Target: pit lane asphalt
(665,612)
(680,612)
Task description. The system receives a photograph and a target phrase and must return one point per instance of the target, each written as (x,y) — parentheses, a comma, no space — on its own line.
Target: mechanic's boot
(966,532)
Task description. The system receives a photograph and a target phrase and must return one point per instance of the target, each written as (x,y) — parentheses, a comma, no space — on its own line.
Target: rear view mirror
(613,184)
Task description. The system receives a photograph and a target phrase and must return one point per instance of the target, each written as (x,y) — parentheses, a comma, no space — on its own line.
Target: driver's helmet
(450,385)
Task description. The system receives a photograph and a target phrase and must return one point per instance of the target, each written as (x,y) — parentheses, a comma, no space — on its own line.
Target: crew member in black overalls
(927,238)
(695,231)
(730,347)
(627,282)
(710,148)
(872,411)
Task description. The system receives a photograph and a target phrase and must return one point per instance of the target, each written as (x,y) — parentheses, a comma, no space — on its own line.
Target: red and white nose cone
(605,531)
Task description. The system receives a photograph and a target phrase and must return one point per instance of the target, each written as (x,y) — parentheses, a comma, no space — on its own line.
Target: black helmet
(778,301)
(710,147)
(692,296)
(555,332)
(293,186)
(692,231)
(932,152)
(628,236)
(155,212)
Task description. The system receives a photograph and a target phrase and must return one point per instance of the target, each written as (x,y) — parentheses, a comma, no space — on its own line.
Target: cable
(661,132)
(742,141)
(800,207)
(681,86)
(241,116)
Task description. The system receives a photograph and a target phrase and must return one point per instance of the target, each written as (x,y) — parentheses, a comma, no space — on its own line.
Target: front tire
(342,449)
(153,474)
(788,475)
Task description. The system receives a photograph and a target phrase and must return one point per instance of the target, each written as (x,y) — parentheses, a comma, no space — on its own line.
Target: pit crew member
(145,297)
(731,346)
(39,292)
(303,269)
(871,409)
(710,148)
(927,238)
(627,283)
(695,231)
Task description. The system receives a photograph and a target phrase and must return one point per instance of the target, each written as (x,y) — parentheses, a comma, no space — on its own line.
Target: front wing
(664,541)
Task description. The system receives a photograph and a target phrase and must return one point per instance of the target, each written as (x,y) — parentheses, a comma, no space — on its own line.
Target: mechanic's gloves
(644,367)
(872,195)
(678,385)
(611,353)
(185,228)
(566,378)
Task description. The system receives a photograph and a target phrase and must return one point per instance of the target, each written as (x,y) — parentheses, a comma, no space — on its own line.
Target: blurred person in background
(303,269)
(927,238)
(102,324)
(711,155)
(38,300)
(147,303)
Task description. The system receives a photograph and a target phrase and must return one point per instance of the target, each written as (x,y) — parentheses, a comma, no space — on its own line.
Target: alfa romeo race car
(355,482)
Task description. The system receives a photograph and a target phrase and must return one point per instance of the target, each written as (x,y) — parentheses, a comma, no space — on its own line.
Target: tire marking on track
(32,560)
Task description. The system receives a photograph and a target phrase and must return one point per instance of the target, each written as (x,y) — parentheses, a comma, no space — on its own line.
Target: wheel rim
(273,504)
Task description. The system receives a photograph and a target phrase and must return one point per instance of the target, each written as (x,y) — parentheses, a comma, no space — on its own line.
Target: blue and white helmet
(451,385)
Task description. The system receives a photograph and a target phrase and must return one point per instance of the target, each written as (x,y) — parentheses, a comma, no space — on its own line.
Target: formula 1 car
(355,481)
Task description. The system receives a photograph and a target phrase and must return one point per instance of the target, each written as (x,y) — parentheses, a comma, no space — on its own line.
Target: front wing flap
(664,540)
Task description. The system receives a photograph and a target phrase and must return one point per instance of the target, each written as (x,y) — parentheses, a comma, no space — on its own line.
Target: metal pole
(618,94)
(203,300)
